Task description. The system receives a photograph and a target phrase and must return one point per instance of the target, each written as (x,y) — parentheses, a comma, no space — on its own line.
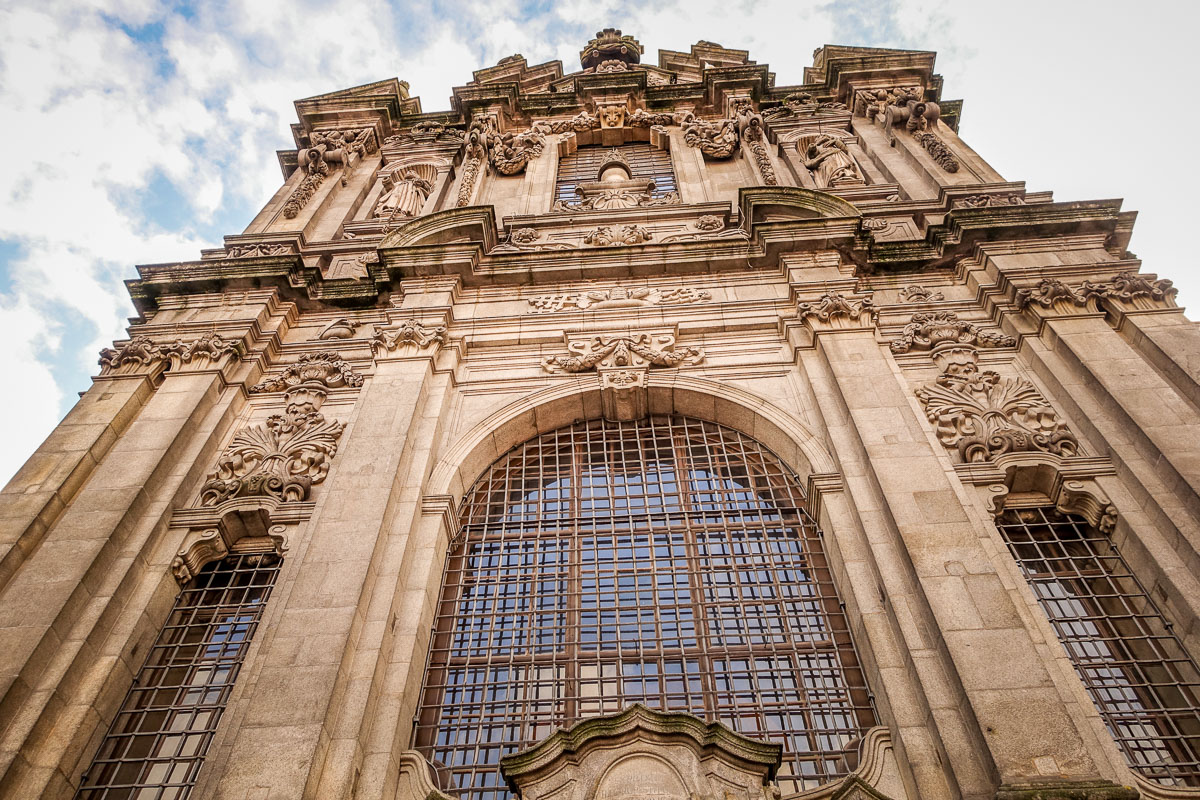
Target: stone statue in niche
(403,196)
(829,161)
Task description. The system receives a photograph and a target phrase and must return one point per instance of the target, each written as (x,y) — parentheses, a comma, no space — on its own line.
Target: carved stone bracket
(750,128)
(622,350)
(928,331)
(408,333)
(618,297)
(834,310)
(903,106)
(475,153)
(246,518)
(142,353)
(624,393)
(328,148)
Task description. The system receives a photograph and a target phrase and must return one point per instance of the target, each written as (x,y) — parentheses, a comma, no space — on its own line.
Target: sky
(141,132)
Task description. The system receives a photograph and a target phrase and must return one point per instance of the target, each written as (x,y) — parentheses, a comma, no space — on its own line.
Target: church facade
(641,430)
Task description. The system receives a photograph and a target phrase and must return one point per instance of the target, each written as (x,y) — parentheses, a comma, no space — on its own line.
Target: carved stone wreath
(623,350)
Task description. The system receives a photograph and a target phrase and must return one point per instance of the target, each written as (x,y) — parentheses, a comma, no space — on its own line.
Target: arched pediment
(765,204)
(473,224)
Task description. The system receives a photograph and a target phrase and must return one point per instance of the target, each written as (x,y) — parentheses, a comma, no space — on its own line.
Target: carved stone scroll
(283,458)
(143,352)
(326,149)
(605,236)
(834,309)
(326,370)
(984,415)
(618,297)
(626,350)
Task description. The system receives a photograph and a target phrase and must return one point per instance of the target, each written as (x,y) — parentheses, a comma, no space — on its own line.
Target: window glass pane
(669,562)
(161,733)
(583,166)
(1143,682)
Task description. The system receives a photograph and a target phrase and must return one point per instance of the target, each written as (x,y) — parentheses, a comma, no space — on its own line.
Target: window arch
(668,561)
(1145,685)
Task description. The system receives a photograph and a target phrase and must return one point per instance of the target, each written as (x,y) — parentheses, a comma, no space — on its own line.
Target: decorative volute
(641,754)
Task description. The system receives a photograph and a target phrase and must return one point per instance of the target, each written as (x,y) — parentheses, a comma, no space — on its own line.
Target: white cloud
(1056,94)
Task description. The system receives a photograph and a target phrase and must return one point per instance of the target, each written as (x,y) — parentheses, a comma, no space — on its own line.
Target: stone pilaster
(990,697)
(312,694)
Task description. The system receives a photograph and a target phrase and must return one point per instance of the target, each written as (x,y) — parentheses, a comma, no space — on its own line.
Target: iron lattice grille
(1143,682)
(156,744)
(668,561)
(645,162)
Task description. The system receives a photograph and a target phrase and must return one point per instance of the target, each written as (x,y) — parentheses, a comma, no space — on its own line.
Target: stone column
(991,697)
(299,733)
(58,602)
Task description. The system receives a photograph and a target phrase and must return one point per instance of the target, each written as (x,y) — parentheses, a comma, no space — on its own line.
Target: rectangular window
(156,744)
(1134,667)
(583,166)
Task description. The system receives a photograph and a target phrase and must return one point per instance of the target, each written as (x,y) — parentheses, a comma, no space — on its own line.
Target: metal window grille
(1143,682)
(645,162)
(668,561)
(156,744)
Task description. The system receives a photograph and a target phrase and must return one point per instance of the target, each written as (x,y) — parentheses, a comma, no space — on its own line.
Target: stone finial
(611,45)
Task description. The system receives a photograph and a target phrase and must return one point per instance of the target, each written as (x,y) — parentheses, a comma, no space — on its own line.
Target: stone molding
(244,525)
(142,354)
(415,781)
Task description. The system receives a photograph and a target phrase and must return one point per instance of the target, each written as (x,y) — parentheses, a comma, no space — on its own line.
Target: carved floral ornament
(606,236)
(288,453)
(1125,287)
(142,352)
(618,297)
(980,414)
(636,350)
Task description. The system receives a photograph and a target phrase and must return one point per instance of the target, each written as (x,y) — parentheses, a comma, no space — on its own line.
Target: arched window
(644,160)
(668,561)
(1144,684)
(156,744)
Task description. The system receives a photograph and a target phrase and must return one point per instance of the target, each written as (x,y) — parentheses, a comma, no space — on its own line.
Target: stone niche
(640,754)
